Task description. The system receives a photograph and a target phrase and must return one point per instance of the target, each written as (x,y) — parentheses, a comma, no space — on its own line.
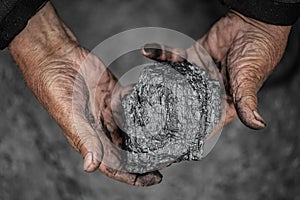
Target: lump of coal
(168,114)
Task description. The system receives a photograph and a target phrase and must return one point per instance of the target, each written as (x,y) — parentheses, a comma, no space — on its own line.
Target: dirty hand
(76,89)
(245,50)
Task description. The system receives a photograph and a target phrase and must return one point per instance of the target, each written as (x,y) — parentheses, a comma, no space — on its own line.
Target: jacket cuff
(268,11)
(16,19)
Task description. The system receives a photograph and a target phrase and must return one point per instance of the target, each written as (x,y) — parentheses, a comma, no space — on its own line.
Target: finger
(83,136)
(245,85)
(95,144)
(146,179)
(230,111)
(118,94)
(125,90)
(229,115)
(162,53)
(87,142)
(91,162)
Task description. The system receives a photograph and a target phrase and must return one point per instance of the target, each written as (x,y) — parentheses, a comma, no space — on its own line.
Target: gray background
(36,162)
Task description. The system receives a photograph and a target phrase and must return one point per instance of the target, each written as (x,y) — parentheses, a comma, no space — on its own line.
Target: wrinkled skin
(245,50)
(75,88)
(51,61)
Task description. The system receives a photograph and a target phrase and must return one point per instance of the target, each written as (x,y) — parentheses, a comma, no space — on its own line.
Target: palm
(77,89)
(245,50)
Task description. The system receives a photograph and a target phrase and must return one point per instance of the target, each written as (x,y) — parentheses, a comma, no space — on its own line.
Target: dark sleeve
(278,12)
(14,15)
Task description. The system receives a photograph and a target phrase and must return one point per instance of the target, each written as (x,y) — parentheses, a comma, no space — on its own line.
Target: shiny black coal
(168,114)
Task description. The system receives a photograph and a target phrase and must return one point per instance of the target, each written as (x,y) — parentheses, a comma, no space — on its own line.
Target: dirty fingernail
(151,46)
(153,49)
(148,179)
(89,165)
(260,121)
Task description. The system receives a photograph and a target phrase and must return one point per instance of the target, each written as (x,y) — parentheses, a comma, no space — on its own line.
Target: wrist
(260,24)
(268,11)
(44,36)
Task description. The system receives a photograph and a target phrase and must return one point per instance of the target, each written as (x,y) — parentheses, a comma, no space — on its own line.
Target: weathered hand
(76,89)
(245,50)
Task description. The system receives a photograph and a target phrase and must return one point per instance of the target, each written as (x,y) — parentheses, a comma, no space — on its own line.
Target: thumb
(85,140)
(244,92)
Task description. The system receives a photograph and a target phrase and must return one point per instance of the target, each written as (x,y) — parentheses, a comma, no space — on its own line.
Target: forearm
(44,36)
(44,52)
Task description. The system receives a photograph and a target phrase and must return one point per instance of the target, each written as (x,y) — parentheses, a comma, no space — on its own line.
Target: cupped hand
(245,50)
(76,89)
(79,88)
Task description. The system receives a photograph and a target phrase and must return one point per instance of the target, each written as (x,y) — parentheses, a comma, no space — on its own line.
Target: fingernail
(88,162)
(148,179)
(151,46)
(154,49)
(260,121)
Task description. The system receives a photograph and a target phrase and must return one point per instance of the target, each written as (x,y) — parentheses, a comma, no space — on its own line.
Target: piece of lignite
(168,114)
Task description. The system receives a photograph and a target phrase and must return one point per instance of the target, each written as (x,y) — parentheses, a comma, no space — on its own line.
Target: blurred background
(36,162)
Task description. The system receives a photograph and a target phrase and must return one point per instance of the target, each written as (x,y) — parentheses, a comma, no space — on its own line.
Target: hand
(76,89)
(245,50)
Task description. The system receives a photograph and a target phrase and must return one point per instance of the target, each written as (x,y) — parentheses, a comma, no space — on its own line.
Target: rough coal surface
(167,116)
